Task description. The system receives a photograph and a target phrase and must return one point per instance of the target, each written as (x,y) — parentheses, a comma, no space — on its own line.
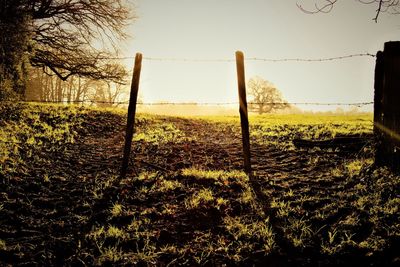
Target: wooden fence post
(378,106)
(244,120)
(131,113)
(387,106)
(378,86)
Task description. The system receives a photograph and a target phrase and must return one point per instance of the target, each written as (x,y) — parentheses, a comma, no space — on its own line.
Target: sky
(211,29)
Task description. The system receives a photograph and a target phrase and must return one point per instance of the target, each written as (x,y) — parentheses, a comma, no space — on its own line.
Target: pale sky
(215,29)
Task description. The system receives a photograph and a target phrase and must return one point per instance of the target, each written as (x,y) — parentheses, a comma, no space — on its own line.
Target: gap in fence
(387,111)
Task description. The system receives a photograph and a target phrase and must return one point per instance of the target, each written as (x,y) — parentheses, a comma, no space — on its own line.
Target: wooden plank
(343,143)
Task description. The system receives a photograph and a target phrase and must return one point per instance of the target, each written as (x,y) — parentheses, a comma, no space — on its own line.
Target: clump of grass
(139,227)
(101,185)
(337,240)
(373,243)
(96,233)
(110,255)
(221,202)
(147,176)
(116,210)
(164,186)
(3,245)
(169,209)
(201,198)
(217,175)
(247,196)
(354,167)
(253,230)
(391,207)
(283,207)
(161,133)
(46,178)
(298,231)
(101,233)
(116,232)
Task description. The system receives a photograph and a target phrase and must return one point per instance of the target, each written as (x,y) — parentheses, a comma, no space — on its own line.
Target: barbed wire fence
(216,60)
(356,104)
(379,108)
(382,106)
(276,60)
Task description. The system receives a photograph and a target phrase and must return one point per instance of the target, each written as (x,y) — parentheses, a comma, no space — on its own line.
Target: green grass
(276,129)
(26,129)
(192,205)
(160,133)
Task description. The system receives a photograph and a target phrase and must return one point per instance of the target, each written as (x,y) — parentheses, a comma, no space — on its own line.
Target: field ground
(185,200)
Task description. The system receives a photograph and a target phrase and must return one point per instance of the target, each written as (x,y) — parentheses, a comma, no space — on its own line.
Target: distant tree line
(76,89)
(65,38)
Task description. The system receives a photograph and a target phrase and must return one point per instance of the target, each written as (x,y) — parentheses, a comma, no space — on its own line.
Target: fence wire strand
(275,60)
(359,104)
(194,60)
(262,59)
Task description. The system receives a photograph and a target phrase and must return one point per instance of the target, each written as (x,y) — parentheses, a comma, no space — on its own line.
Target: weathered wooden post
(131,113)
(387,106)
(244,120)
(378,86)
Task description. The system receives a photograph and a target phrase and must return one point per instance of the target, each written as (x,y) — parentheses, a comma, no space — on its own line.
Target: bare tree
(265,97)
(64,31)
(108,94)
(67,37)
(326,6)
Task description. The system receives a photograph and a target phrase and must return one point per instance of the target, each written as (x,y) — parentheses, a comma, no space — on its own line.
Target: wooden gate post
(244,120)
(131,113)
(378,93)
(387,106)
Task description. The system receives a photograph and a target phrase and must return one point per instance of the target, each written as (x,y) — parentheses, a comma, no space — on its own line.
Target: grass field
(185,200)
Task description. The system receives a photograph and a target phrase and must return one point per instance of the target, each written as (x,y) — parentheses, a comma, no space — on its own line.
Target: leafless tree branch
(325,8)
(389,6)
(66,35)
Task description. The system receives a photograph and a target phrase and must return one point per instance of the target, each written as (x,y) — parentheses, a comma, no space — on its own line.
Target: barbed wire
(172,59)
(261,103)
(70,101)
(193,103)
(313,59)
